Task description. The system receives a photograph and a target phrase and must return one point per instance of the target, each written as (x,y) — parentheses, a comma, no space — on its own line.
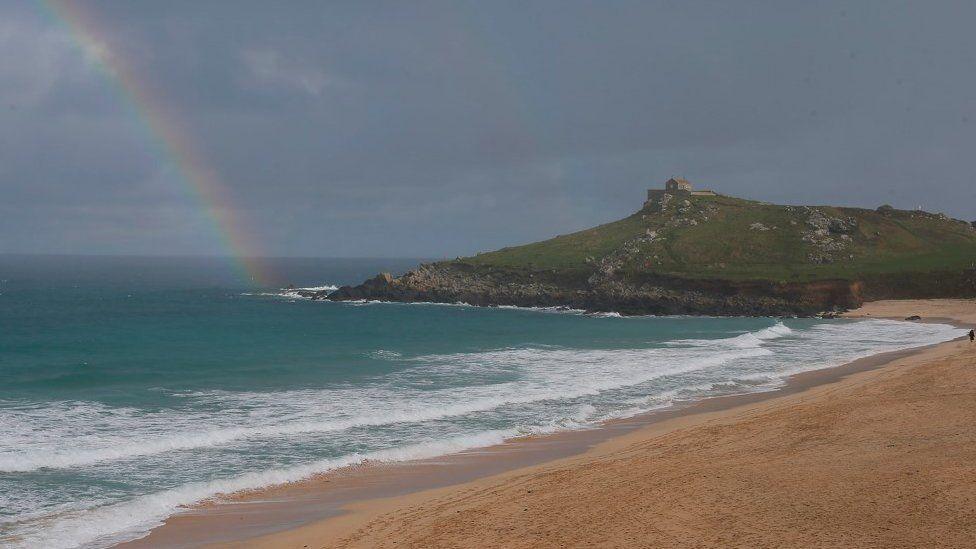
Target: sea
(133,386)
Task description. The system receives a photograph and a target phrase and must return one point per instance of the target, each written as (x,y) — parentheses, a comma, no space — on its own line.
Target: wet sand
(839,456)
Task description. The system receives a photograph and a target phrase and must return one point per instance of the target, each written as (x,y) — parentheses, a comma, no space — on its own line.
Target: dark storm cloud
(396,128)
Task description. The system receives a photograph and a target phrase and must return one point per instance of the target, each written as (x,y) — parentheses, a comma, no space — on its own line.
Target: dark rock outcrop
(378,285)
(649,294)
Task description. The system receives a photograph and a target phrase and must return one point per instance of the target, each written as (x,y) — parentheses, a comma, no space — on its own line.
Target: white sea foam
(294,293)
(82,434)
(754,339)
(585,373)
(538,389)
(554,309)
(110,524)
(746,340)
(560,309)
(326,288)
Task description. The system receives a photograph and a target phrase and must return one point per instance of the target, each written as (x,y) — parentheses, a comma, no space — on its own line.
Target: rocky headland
(708,255)
(474,285)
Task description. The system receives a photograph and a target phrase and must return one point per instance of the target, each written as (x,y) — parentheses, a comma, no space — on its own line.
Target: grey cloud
(443,128)
(271,68)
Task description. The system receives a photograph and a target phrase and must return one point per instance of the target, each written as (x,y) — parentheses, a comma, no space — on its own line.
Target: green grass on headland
(729,238)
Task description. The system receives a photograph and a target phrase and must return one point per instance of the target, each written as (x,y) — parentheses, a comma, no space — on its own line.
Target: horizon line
(211,256)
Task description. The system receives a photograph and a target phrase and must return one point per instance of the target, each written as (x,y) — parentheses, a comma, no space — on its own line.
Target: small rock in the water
(914,317)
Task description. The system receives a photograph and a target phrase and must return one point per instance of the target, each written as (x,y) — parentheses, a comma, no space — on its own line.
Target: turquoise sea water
(129,387)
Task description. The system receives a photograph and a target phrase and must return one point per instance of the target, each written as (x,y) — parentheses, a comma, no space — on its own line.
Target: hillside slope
(711,255)
(724,237)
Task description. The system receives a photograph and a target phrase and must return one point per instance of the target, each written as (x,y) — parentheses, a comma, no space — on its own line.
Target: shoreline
(329,506)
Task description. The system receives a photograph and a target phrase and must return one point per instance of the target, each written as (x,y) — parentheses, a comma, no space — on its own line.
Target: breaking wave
(413,406)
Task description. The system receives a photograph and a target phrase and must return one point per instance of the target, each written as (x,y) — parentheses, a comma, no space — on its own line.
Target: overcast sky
(442,129)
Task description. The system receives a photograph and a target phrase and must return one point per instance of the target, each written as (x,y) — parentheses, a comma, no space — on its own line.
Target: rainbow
(169,138)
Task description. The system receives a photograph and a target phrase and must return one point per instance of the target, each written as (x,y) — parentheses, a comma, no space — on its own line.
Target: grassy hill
(720,237)
(715,255)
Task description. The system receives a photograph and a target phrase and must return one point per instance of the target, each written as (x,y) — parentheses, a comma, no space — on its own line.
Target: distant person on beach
(972,335)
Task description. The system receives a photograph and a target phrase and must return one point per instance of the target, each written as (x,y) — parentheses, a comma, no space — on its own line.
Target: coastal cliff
(708,255)
(474,285)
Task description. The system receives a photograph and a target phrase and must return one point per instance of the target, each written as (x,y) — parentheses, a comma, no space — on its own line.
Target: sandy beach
(878,453)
